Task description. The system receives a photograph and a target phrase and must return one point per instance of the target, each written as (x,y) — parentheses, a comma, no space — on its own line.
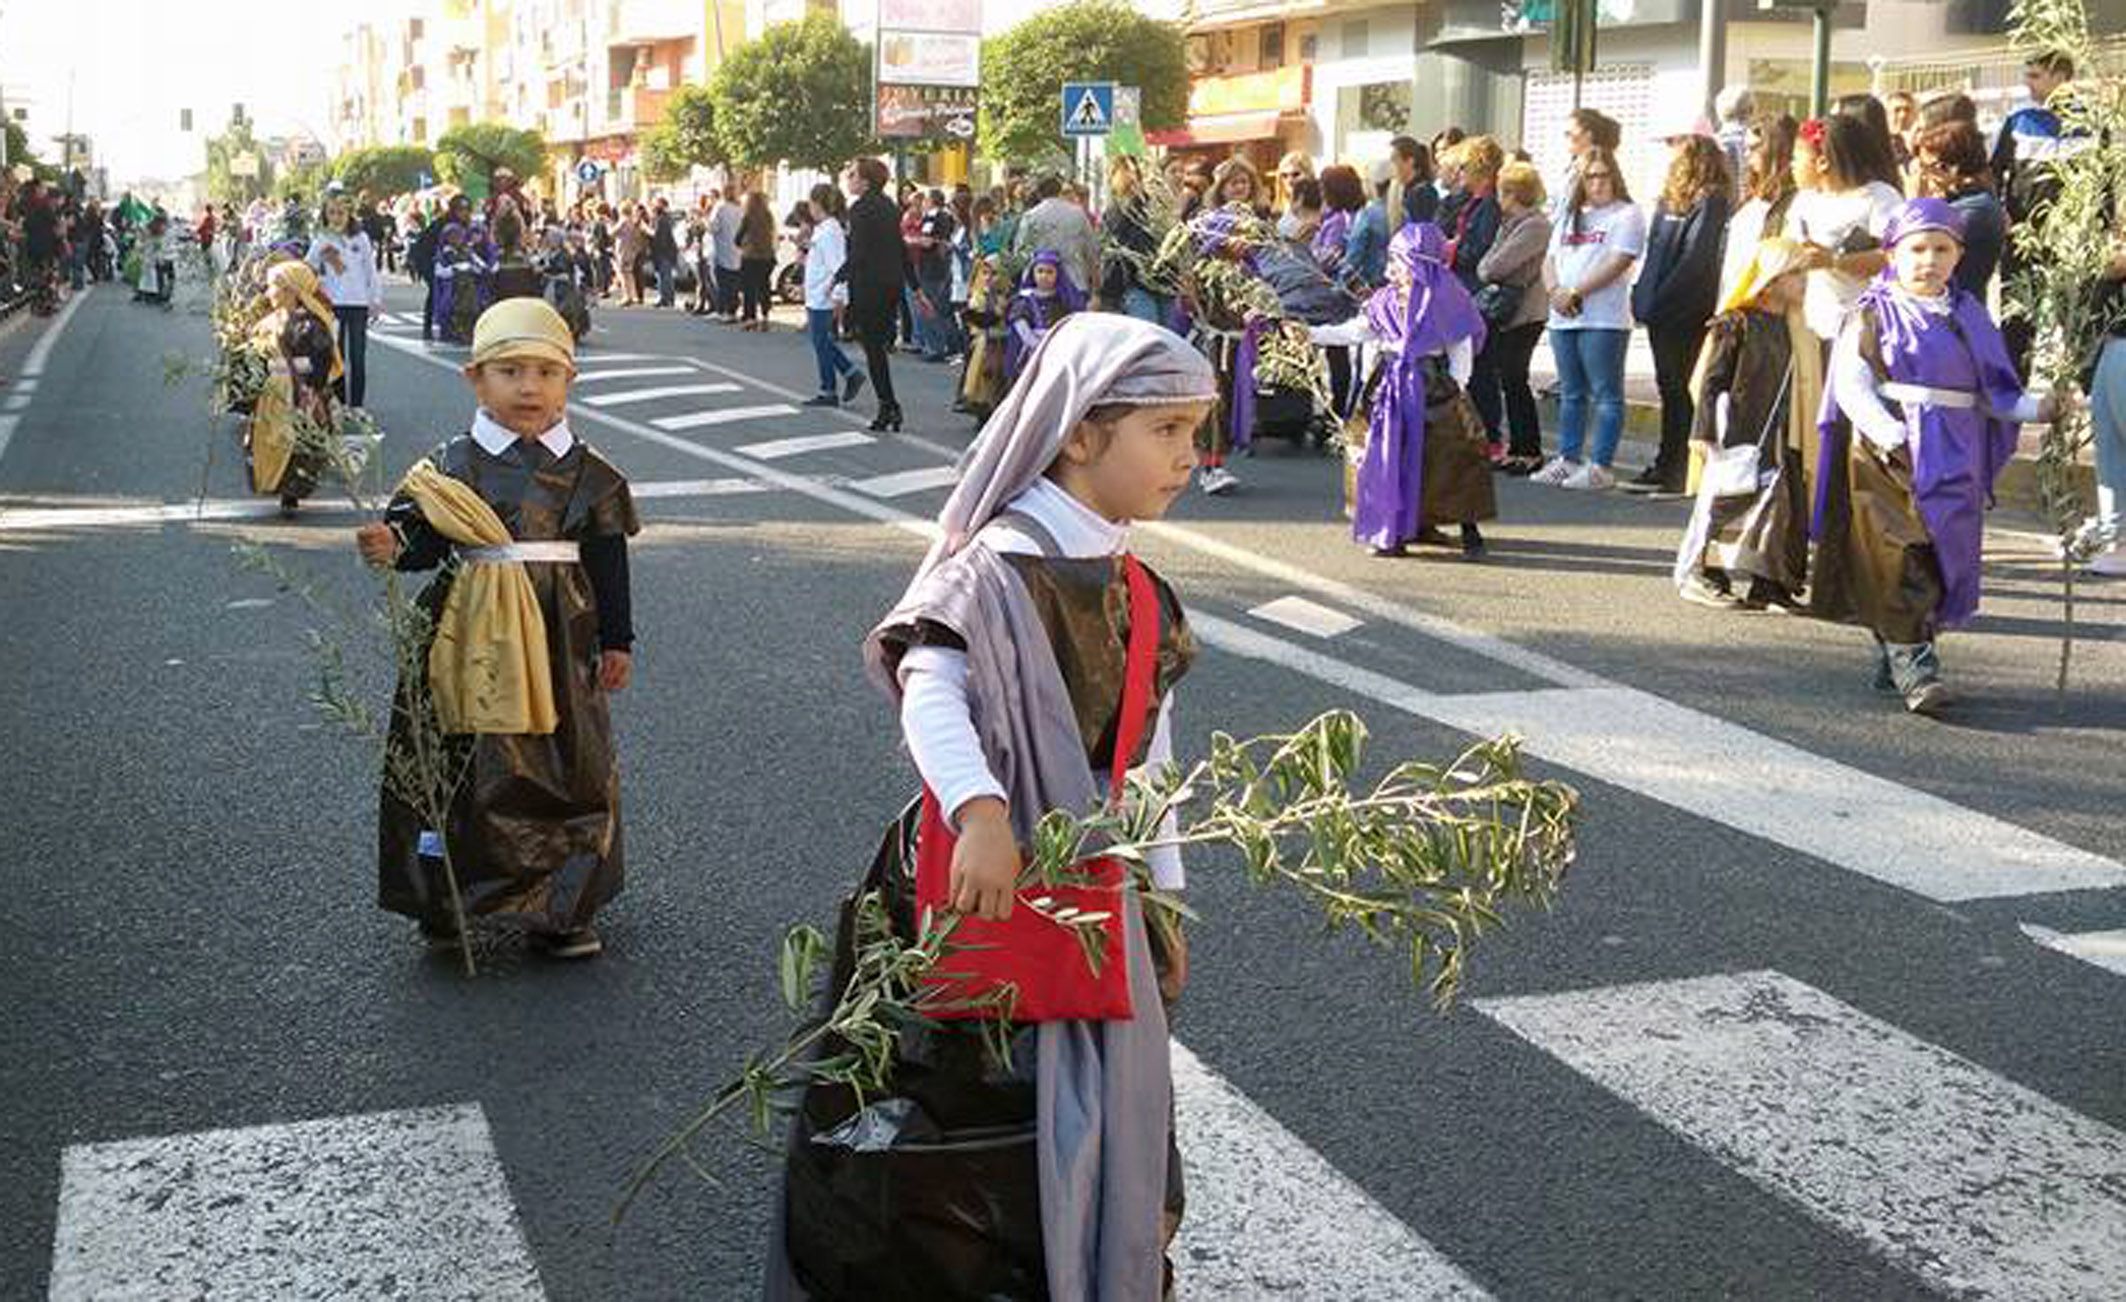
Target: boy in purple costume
(1921,376)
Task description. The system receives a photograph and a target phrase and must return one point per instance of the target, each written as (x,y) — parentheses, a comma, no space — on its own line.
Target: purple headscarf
(1040,311)
(1437,314)
(1917,215)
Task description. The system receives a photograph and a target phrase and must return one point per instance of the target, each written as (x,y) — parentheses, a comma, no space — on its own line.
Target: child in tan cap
(532,629)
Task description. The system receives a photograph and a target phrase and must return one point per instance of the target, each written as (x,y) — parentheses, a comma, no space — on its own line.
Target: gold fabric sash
(272,432)
(488,666)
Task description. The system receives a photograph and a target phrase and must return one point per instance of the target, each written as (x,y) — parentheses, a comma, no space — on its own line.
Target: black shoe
(1391,553)
(1648,480)
(888,419)
(1472,543)
(853,384)
(289,506)
(822,400)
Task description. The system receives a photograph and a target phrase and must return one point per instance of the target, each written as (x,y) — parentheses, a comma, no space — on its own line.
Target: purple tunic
(1437,314)
(1957,452)
(1040,311)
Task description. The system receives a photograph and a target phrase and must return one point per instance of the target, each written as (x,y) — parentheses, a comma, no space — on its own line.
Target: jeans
(930,336)
(727,291)
(2107,412)
(1508,352)
(1590,369)
(666,281)
(833,363)
(1675,357)
(354,353)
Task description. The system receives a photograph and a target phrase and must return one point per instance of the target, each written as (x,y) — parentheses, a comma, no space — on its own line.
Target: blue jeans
(833,363)
(1590,368)
(2107,412)
(667,282)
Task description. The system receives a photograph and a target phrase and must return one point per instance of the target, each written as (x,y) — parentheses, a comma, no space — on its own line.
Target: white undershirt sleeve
(1343,334)
(1461,360)
(939,730)
(1853,385)
(1165,861)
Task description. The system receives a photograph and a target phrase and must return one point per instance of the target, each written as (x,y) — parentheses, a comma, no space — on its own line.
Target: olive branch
(1424,861)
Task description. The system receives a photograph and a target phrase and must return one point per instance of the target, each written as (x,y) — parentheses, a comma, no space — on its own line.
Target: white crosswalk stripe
(1303,616)
(1972,1182)
(776,449)
(905,482)
(2106,949)
(400,1204)
(722,416)
(632,373)
(631,396)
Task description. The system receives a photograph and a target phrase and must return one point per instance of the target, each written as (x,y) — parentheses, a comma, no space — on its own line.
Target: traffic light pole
(1820,66)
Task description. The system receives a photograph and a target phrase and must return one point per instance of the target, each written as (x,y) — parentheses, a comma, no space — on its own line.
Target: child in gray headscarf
(1006,657)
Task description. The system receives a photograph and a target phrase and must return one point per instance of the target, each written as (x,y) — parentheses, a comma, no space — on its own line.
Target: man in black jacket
(877,271)
(421,258)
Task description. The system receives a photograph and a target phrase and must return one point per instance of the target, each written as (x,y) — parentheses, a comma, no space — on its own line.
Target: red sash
(1041,960)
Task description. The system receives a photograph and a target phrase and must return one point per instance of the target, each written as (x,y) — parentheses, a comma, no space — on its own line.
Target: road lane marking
(776,449)
(41,351)
(1270,1217)
(7,432)
(651,395)
(1781,793)
(2035,863)
(1977,1185)
(722,416)
(2105,949)
(1303,616)
(902,483)
(635,372)
(400,1204)
(730,487)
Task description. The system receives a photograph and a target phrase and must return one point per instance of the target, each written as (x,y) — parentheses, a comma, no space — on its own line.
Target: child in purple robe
(1046,295)
(1425,461)
(1921,376)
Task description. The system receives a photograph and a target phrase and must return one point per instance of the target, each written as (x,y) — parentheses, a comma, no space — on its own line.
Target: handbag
(1038,960)
(1497,303)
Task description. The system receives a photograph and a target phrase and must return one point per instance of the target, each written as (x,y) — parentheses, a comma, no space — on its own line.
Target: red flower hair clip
(1813,132)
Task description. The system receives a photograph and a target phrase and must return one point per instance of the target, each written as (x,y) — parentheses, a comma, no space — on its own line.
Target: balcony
(631,108)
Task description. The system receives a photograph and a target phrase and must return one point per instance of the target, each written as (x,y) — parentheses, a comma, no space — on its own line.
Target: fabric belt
(547,553)
(1908,394)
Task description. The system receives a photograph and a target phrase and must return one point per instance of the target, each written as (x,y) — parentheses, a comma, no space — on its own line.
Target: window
(1272,46)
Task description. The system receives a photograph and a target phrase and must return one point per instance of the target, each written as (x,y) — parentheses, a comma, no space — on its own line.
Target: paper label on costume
(430,845)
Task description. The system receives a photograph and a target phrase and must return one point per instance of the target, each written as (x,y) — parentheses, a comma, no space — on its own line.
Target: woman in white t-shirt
(1847,197)
(345,262)
(1598,238)
(839,378)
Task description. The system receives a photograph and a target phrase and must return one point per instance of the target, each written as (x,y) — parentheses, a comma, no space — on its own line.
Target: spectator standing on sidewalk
(1410,193)
(1366,248)
(724,221)
(2030,140)
(1599,237)
(1950,163)
(1677,292)
(935,323)
(702,253)
(1471,223)
(1736,109)
(1844,207)
(631,240)
(664,253)
(1510,296)
(756,258)
(346,263)
(1056,223)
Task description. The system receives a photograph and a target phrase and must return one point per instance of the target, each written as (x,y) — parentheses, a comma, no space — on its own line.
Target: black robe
(535,829)
(1763,536)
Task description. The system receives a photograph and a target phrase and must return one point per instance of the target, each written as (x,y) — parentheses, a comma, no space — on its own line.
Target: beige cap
(523,327)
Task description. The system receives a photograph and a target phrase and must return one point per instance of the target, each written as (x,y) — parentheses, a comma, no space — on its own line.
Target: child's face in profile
(1925,262)
(525,395)
(1134,467)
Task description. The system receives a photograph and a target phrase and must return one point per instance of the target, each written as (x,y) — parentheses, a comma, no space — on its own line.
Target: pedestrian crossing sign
(1088,108)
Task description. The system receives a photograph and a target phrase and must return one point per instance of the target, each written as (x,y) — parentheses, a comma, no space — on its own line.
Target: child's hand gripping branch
(378,545)
(985,863)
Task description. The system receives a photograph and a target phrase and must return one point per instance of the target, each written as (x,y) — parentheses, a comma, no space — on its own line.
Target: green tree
(801,94)
(469,156)
(19,153)
(1023,71)
(304,182)
(224,185)
(384,170)
(684,137)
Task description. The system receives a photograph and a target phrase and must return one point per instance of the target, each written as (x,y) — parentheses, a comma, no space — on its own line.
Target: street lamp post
(1820,13)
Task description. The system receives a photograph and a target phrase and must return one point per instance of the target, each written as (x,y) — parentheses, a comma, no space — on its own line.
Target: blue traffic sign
(1088,108)
(588,171)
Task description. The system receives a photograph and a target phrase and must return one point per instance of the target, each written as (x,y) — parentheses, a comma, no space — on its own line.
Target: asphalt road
(1628,1105)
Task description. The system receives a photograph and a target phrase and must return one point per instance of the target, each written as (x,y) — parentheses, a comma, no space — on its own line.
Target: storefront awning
(1219,129)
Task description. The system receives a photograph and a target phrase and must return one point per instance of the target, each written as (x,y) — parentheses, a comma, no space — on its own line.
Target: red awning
(1219,129)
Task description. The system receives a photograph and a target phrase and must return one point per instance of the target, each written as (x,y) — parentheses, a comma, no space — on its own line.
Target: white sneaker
(1557,472)
(1590,478)
(1217,480)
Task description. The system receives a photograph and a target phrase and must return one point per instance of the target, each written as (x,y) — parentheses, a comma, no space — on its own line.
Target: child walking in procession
(1033,660)
(532,628)
(1923,413)
(1426,461)
(1759,392)
(1046,295)
(303,372)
